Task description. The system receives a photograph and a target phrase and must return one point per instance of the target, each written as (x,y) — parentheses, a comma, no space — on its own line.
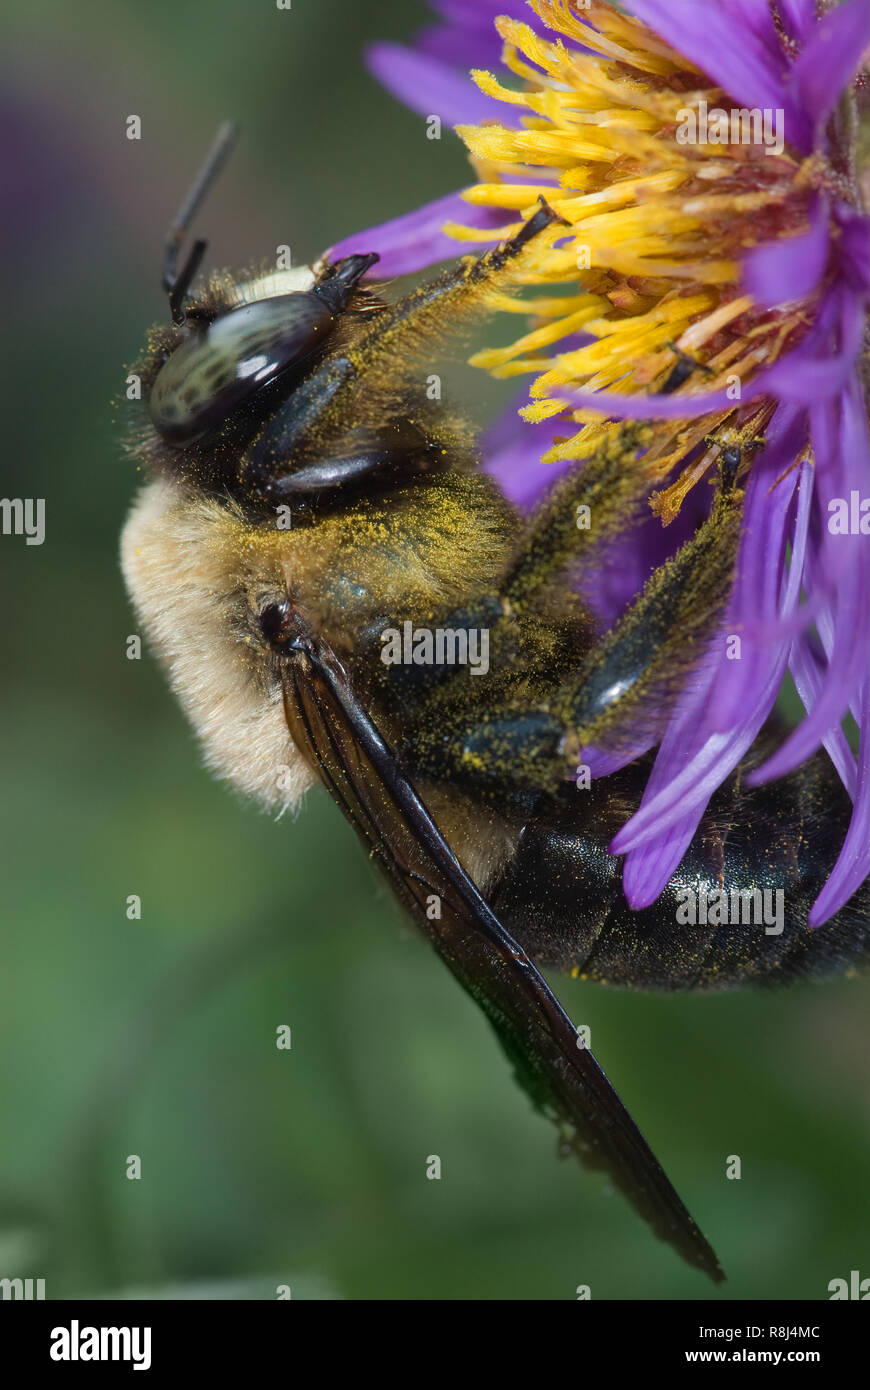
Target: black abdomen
(561,895)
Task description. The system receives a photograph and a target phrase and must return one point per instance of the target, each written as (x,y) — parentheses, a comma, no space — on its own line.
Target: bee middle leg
(587,507)
(617,697)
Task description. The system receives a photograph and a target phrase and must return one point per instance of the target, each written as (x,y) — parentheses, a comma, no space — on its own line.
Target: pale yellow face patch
(194,588)
(269,286)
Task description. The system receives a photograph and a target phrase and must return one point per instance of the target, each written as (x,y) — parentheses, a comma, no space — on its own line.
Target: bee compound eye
(219,369)
(276,624)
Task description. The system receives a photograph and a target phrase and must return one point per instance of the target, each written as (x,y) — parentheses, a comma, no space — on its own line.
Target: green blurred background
(157,1038)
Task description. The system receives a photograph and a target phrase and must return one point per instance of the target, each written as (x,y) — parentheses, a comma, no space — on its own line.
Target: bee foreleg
(441,304)
(364,384)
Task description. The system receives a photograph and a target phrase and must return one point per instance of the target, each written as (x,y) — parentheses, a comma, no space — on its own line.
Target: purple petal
(790,267)
(814,579)
(842,450)
(807,671)
(692,762)
(415,240)
(428,86)
(732,44)
(623,567)
(693,785)
(618,406)
(648,868)
(512,450)
(755,602)
(854,247)
(853,864)
(650,865)
(468,37)
(799,17)
(801,377)
(756,20)
(850,653)
(602,762)
(830,59)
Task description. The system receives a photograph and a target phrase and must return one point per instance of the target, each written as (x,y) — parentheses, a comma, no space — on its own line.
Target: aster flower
(752,258)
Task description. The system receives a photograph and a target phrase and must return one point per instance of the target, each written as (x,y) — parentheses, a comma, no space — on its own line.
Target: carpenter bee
(306,506)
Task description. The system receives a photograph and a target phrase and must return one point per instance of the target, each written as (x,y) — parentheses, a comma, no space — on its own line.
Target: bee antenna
(177,283)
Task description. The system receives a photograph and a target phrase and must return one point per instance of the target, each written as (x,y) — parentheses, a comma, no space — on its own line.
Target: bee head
(230,351)
(227,361)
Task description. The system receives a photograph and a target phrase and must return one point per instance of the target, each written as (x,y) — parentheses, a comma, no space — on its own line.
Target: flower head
(713,278)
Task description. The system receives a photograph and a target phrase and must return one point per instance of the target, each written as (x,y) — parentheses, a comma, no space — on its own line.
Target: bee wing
(562,1078)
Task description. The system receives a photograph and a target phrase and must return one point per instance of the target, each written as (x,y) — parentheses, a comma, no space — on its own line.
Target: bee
(682,369)
(733,445)
(304,498)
